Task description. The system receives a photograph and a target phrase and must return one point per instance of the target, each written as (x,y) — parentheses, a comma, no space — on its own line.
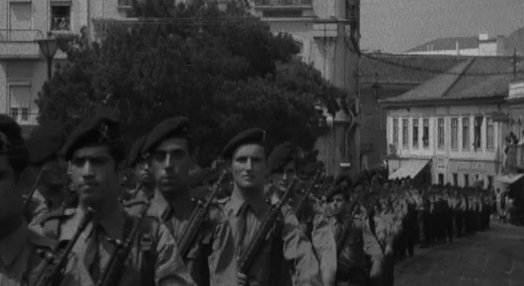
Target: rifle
(198,217)
(137,190)
(247,258)
(53,273)
(342,235)
(302,205)
(33,190)
(116,265)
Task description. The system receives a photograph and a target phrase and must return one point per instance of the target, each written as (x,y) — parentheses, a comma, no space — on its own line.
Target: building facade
(451,125)
(23,68)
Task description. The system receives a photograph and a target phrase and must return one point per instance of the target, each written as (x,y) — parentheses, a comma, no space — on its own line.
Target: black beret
(136,151)
(280,156)
(250,136)
(101,129)
(45,141)
(12,144)
(343,178)
(172,127)
(334,191)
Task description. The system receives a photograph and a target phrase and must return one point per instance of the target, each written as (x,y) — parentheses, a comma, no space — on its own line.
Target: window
(415,133)
(478,131)
(405,137)
(455,179)
(441,179)
(60,17)
(425,133)
(14,113)
(489,134)
(441,133)
(395,131)
(465,133)
(454,134)
(466,180)
(25,114)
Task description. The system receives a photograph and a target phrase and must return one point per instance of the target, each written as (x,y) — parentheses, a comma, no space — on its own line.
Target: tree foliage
(224,70)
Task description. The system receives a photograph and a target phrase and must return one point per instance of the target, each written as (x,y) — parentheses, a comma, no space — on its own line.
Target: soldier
(211,258)
(20,262)
(49,168)
(145,183)
(246,155)
(283,168)
(95,152)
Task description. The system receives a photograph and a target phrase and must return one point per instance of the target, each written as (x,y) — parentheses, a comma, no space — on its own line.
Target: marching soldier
(246,209)
(145,183)
(20,263)
(95,153)
(283,169)
(49,168)
(211,258)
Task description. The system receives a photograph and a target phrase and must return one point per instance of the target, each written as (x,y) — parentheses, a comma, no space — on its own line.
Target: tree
(224,70)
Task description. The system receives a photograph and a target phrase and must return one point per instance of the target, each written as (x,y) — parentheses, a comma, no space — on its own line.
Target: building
(450,126)
(23,68)
(482,45)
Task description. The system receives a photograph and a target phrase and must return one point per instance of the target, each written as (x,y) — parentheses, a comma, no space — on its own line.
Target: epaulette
(134,202)
(57,214)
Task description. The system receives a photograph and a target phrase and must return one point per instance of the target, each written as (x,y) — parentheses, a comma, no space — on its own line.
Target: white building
(23,69)
(449,125)
(482,45)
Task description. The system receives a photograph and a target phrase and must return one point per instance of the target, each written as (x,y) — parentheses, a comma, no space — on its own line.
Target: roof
(512,41)
(444,44)
(477,77)
(404,69)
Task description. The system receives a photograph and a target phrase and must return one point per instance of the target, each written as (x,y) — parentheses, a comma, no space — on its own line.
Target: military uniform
(154,250)
(20,263)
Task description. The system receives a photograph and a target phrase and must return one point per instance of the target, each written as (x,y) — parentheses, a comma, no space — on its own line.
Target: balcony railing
(283,2)
(20,35)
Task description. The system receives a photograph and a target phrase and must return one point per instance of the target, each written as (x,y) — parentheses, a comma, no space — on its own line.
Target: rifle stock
(247,258)
(53,273)
(198,217)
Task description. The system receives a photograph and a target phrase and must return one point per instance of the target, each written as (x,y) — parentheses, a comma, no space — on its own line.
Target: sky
(398,25)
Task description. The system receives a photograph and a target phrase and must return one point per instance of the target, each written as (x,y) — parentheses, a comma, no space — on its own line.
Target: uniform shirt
(169,268)
(317,228)
(20,263)
(211,259)
(296,248)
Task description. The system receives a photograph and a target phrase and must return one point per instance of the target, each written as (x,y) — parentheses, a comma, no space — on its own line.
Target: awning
(509,179)
(409,169)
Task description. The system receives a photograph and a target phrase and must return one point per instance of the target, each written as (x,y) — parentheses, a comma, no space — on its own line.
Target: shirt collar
(11,246)
(159,205)
(113,223)
(259,206)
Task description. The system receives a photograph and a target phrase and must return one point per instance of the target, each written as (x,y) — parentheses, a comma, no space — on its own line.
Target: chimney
(483,36)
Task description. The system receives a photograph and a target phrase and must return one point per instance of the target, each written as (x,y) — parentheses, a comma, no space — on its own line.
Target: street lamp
(48,47)
(376,88)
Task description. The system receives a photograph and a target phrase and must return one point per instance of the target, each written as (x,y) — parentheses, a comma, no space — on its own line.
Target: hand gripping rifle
(271,216)
(198,217)
(116,265)
(302,205)
(53,273)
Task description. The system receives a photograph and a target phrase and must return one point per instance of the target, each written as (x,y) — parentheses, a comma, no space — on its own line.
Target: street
(494,257)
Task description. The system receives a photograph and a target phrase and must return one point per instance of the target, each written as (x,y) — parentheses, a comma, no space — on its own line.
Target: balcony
(284,8)
(20,43)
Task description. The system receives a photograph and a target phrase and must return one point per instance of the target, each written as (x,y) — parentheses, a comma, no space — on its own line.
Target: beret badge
(104,136)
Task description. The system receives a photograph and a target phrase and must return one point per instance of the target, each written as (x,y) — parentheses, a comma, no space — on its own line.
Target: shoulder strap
(51,222)
(147,249)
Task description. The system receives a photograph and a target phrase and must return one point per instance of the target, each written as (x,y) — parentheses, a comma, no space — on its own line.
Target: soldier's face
(337,204)
(248,167)
(142,172)
(171,162)
(95,175)
(10,196)
(55,172)
(282,178)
